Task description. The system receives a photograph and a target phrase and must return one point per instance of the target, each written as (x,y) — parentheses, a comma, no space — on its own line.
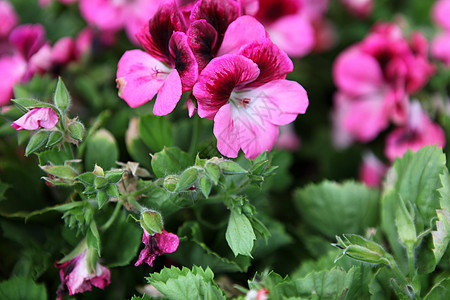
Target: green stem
(139,207)
(113,217)
(411,261)
(195,136)
(146,189)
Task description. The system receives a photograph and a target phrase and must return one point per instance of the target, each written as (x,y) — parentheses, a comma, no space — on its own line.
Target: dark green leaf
(102,150)
(155,132)
(170,161)
(22,288)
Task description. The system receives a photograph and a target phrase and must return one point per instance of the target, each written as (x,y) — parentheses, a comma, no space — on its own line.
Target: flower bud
(170,182)
(76,130)
(361,249)
(151,221)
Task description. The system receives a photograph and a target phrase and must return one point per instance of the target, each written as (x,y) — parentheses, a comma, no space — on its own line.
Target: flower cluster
(441,43)
(234,70)
(25,51)
(375,79)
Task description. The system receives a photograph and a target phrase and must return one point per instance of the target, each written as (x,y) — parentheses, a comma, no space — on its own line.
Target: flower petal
(219,78)
(356,72)
(202,40)
(168,95)
(218,13)
(155,36)
(167,242)
(185,62)
(139,77)
(105,14)
(44,117)
(226,133)
(28,39)
(272,62)
(241,31)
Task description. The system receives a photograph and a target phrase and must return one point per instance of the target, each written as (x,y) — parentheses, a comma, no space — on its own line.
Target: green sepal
(100,182)
(54,138)
(86,178)
(230,167)
(187,178)
(205,186)
(65,172)
(113,176)
(151,221)
(37,141)
(102,198)
(213,172)
(25,104)
(170,182)
(76,130)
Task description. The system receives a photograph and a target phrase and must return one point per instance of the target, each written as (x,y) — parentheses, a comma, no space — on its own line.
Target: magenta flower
(288,139)
(440,48)
(248,97)
(44,117)
(156,245)
(359,8)
(440,13)
(78,276)
(419,131)
(167,68)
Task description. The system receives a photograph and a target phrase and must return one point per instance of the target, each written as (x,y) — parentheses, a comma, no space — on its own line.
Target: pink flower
(440,13)
(360,8)
(374,79)
(44,117)
(418,132)
(372,170)
(288,24)
(9,18)
(156,245)
(12,70)
(113,15)
(78,275)
(167,68)
(248,97)
(440,48)
(287,139)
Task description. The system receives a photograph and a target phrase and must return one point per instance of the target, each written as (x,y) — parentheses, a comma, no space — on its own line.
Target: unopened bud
(151,221)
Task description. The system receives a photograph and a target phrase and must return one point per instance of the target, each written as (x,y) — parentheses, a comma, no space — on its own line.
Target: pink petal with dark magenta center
(242,31)
(202,38)
(185,62)
(220,77)
(168,95)
(218,13)
(271,60)
(139,77)
(155,36)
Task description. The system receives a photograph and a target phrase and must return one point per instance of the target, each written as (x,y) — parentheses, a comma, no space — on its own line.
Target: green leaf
(170,161)
(101,149)
(155,132)
(22,288)
(334,209)
(439,291)
(441,236)
(54,156)
(185,284)
(61,97)
(187,179)
(3,188)
(239,234)
(135,146)
(415,178)
(37,141)
(405,223)
(205,186)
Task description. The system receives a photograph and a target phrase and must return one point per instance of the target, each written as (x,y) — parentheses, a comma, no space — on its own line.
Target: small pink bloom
(156,245)
(12,70)
(77,276)
(263,294)
(44,117)
(9,18)
(440,13)
(64,51)
(360,8)
(440,48)
(288,139)
(372,170)
(418,132)
(248,97)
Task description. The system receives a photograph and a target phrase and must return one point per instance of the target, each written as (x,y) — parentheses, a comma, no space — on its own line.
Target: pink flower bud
(44,117)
